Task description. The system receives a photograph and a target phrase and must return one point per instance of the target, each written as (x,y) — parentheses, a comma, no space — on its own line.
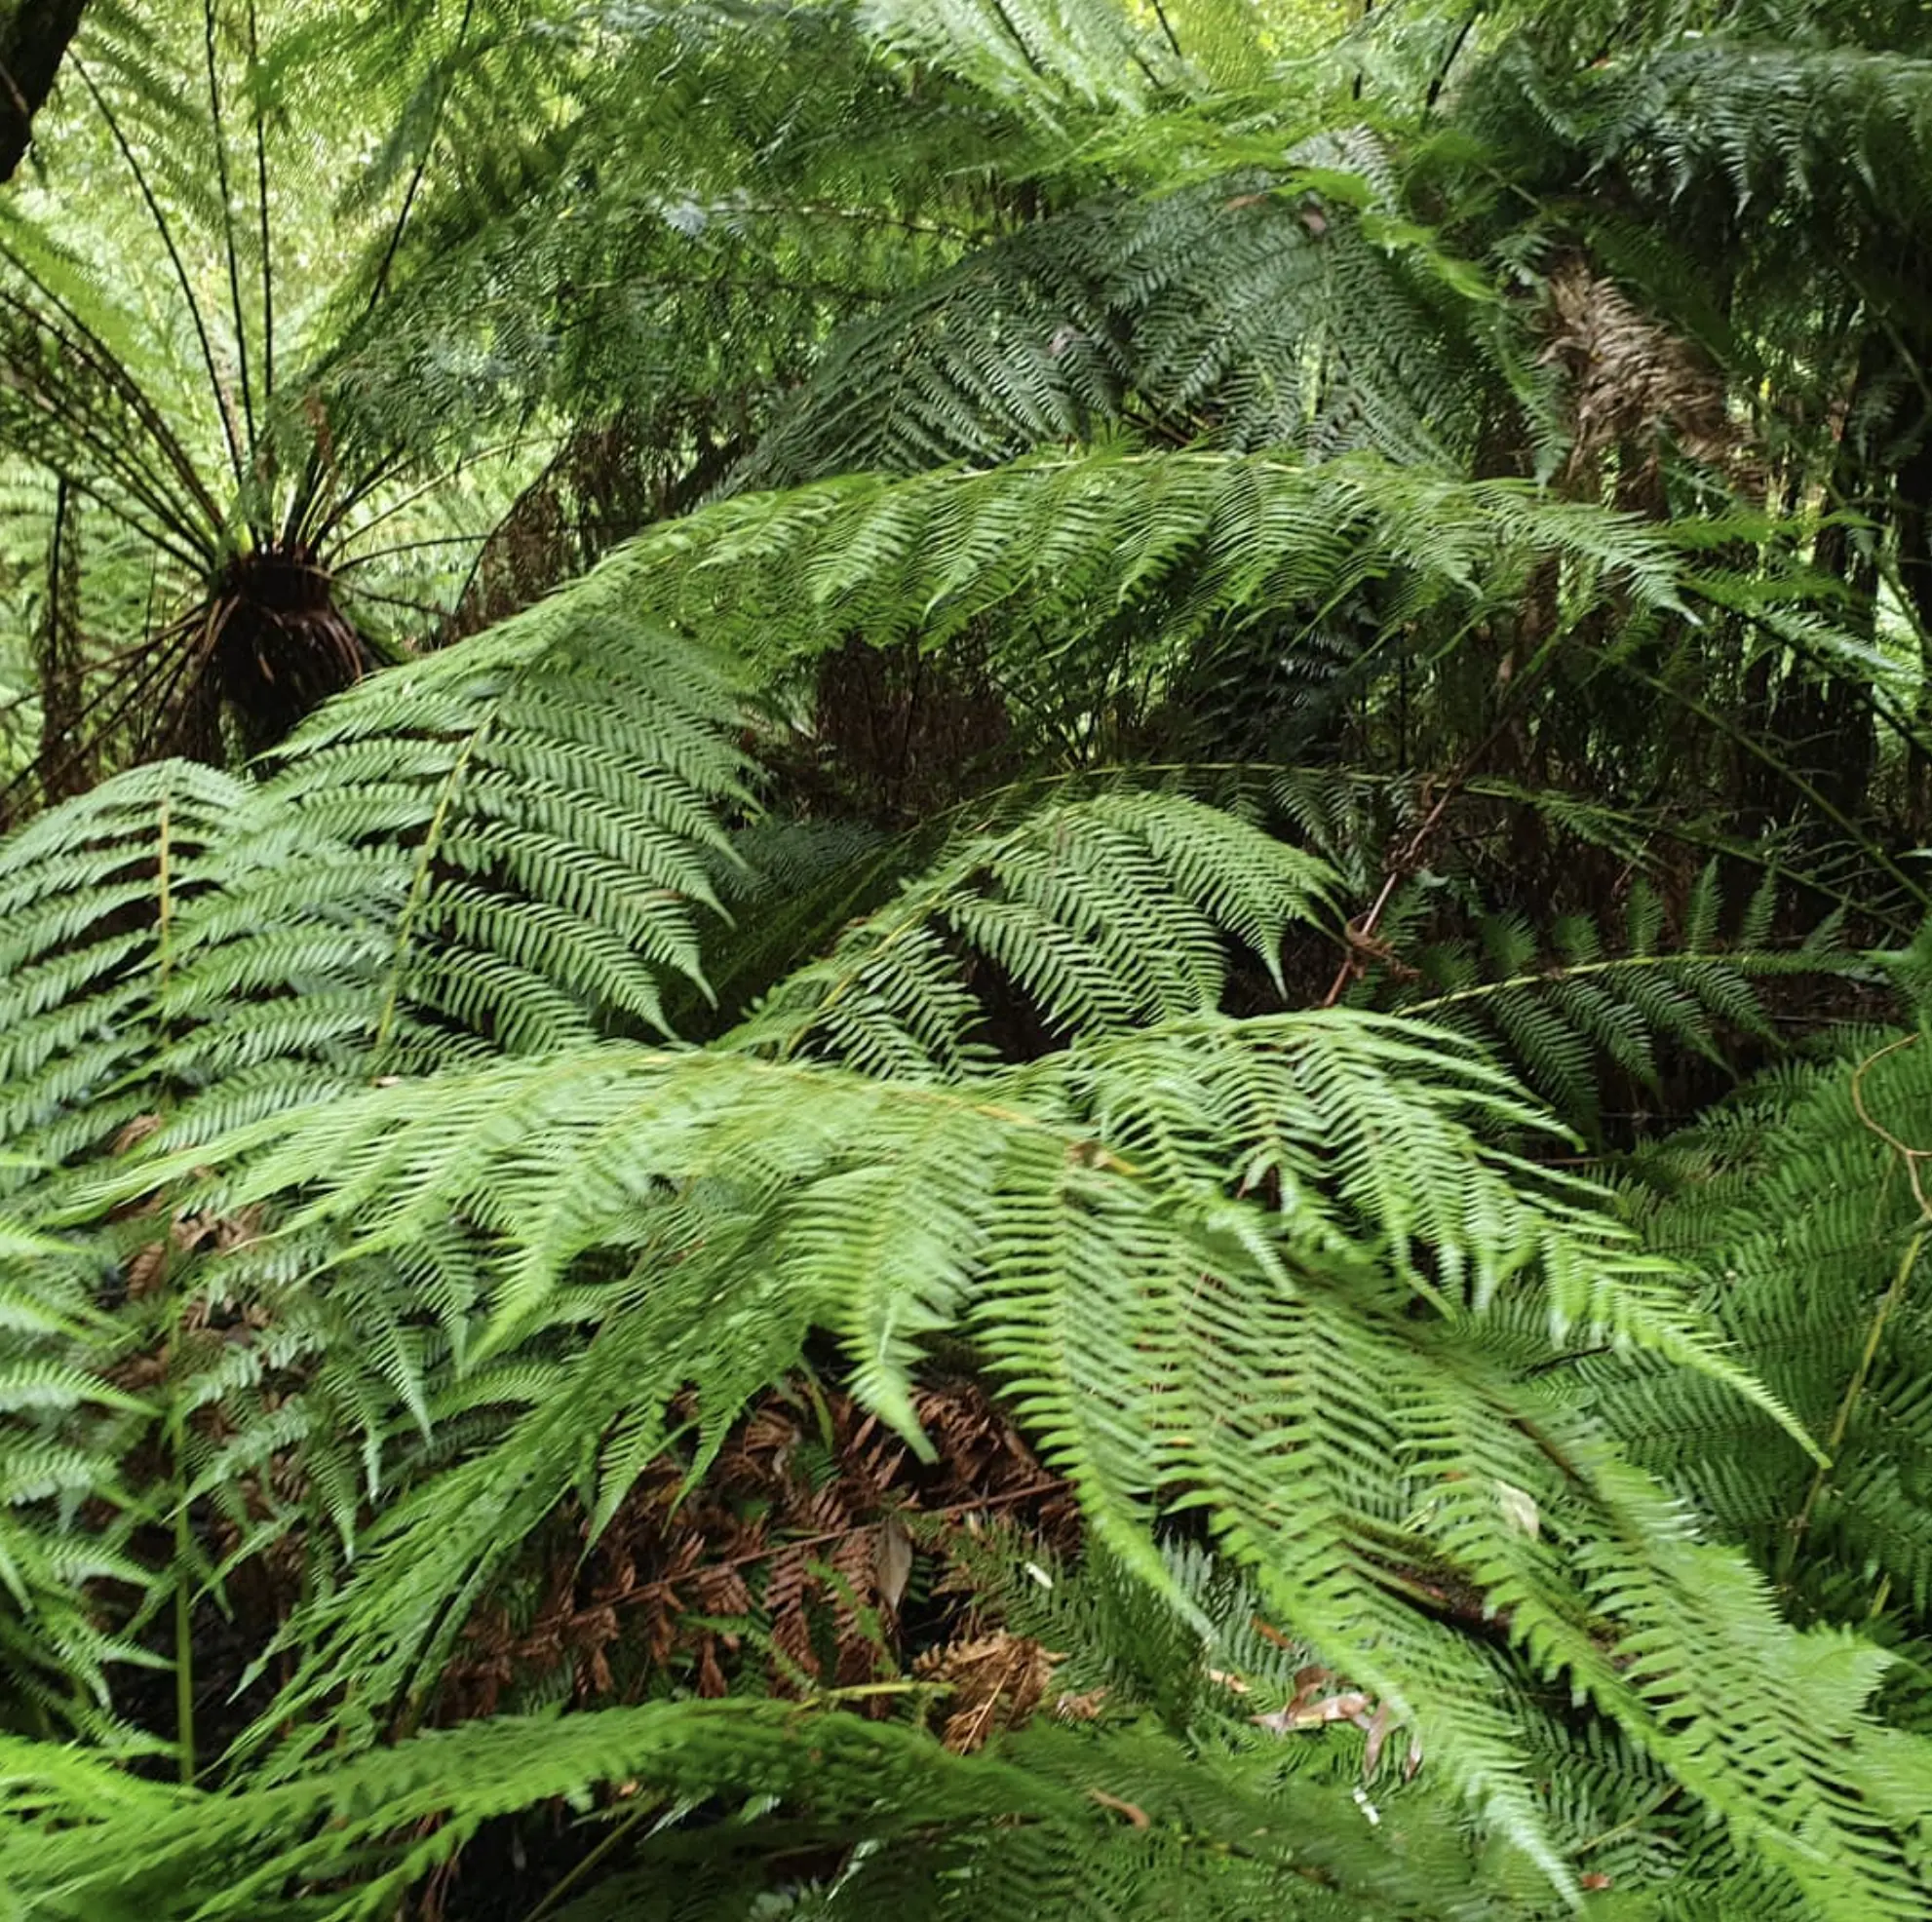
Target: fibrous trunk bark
(34,35)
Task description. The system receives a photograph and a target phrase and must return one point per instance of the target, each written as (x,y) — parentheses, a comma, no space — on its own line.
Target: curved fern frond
(1055,542)
(512,843)
(1286,308)
(1101,913)
(64,1427)
(1149,1325)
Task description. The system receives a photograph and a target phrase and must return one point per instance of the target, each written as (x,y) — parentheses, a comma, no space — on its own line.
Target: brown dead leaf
(1080,1708)
(136,1130)
(1379,1733)
(1316,1712)
(893,1561)
(998,1681)
(1136,1816)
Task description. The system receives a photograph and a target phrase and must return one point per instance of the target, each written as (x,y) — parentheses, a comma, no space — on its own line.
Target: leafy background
(966,958)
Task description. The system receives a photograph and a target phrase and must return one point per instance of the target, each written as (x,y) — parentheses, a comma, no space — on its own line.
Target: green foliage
(509,844)
(1570,1017)
(61,1418)
(1451,649)
(1800,1205)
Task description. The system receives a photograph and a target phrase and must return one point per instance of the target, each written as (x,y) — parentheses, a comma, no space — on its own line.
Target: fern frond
(1284,309)
(1168,1344)
(1053,543)
(514,842)
(1101,912)
(66,1514)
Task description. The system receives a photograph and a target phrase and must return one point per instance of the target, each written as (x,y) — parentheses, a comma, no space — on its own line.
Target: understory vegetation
(967,958)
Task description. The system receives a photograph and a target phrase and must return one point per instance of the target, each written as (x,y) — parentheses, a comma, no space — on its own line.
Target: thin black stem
(312,474)
(261,209)
(408,547)
(88,347)
(430,607)
(1018,39)
(350,497)
(86,733)
(119,464)
(180,269)
(58,677)
(334,518)
(114,462)
(195,558)
(220,132)
(1450,59)
(1873,851)
(430,139)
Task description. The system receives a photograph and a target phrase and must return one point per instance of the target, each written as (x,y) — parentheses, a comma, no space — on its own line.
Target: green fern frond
(1560,1016)
(1101,912)
(1167,1344)
(512,843)
(1283,308)
(1061,541)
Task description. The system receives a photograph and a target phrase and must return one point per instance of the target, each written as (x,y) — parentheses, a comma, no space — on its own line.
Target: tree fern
(406,1269)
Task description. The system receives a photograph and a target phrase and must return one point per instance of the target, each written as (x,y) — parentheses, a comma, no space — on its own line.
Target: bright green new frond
(397,1814)
(513,842)
(1058,543)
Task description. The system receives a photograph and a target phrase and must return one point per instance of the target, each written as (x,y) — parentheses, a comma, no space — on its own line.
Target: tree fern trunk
(33,42)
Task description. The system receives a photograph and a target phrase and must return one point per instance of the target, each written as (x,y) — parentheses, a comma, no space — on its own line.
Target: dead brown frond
(818,1551)
(1635,387)
(996,1681)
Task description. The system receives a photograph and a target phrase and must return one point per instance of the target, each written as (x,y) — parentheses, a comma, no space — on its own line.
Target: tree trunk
(33,40)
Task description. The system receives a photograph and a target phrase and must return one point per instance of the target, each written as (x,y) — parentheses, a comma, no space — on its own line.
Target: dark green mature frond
(1808,133)
(1565,1006)
(1100,913)
(1287,308)
(1801,1206)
